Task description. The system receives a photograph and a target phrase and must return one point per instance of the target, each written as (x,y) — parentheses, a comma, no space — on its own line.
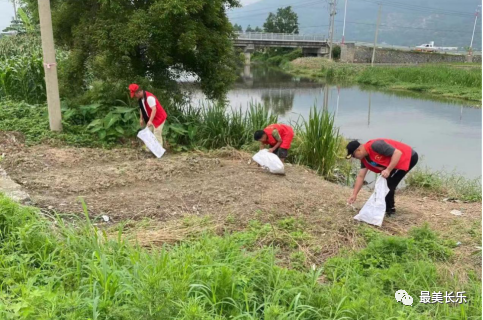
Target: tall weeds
(317,142)
(22,70)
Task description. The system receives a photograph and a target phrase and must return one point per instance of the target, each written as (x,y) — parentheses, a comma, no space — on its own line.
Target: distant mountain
(403,22)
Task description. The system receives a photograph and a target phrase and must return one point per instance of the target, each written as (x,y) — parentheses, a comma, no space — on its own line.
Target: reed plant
(318,142)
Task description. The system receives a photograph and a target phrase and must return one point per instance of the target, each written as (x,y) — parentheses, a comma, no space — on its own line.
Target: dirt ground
(128,184)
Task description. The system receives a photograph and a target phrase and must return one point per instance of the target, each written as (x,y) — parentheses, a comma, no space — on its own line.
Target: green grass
(441,80)
(438,80)
(33,122)
(58,271)
(445,185)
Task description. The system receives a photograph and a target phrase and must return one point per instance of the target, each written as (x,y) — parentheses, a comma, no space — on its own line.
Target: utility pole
(14,2)
(474,27)
(375,37)
(50,66)
(333,5)
(343,27)
(369,112)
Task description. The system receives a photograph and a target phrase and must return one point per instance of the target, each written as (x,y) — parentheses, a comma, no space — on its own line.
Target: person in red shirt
(151,112)
(392,159)
(278,136)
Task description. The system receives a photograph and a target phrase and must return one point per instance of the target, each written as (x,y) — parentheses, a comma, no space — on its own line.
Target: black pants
(393,180)
(281,153)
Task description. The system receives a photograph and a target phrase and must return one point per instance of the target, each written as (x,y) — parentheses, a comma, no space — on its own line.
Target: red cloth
(384,161)
(286,134)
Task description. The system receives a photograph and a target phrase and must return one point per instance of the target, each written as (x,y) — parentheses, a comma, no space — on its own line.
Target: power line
(385,25)
(421,9)
(267,12)
(272,8)
(404,27)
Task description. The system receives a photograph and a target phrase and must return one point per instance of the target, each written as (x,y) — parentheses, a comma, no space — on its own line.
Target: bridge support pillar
(248,53)
(347,52)
(469,57)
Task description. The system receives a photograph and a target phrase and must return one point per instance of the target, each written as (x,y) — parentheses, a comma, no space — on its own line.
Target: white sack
(151,142)
(269,161)
(375,208)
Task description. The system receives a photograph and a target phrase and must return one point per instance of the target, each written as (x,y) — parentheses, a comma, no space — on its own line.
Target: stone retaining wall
(352,54)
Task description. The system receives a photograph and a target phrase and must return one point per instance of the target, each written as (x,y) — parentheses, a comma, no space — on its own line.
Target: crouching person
(278,136)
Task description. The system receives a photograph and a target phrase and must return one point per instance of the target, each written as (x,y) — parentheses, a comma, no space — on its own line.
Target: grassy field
(450,81)
(72,270)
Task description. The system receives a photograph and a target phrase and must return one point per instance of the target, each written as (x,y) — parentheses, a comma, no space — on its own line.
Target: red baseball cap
(133,88)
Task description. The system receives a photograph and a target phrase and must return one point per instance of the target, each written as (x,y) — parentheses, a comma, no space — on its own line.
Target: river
(446,134)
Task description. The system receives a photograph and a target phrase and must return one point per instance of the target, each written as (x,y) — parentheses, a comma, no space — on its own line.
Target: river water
(446,134)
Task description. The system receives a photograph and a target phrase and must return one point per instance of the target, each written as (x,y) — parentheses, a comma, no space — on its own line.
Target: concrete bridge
(312,45)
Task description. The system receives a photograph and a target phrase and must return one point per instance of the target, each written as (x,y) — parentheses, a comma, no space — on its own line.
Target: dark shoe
(390,212)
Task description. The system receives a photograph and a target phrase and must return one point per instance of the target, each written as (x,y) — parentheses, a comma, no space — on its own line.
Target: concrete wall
(350,53)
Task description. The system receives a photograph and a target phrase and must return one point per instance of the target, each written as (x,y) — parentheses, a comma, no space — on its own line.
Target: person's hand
(385,173)
(352,199)
(271,150)
(149,124)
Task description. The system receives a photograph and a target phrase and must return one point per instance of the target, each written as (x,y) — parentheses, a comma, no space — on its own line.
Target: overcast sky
(247,2)
(6,13)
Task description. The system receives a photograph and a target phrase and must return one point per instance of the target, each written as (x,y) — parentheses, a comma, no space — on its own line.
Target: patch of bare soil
(128,184)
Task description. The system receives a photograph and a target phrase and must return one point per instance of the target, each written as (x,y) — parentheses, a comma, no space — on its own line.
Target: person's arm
(358,185)
(141,118)
(277,137)
(272,149)
(152,104)
(262,146)
(396,156)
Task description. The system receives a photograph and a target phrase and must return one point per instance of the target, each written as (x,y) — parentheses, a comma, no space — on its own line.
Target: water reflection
(279,101)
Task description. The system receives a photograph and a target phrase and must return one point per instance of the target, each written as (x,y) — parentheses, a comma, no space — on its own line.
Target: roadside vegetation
(450,81)
(447,185)
(54,269)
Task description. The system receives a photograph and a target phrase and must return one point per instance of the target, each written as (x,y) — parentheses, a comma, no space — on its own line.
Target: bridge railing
(280,36)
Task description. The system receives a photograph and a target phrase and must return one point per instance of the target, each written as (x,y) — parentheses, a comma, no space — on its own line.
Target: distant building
(6,34)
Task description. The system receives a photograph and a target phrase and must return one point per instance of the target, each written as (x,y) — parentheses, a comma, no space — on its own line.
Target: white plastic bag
(151,142)
(269,161)
(375,208)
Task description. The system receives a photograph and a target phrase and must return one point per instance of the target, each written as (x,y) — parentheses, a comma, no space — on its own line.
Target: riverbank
(450,81)
(208,221)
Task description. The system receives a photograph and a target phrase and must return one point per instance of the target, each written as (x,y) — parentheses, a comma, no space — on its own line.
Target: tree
(284,21)
(237,28)
(250,29)
(118,40)
(21,24)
